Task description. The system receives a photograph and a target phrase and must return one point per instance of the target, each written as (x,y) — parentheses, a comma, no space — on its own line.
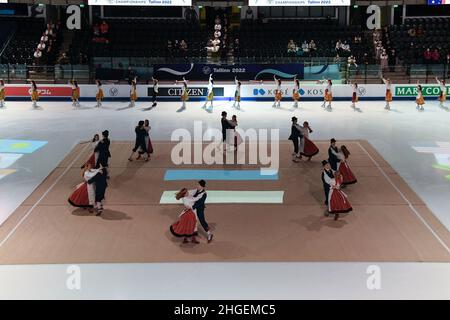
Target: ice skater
(104,154)
(184,93)
(199,207)
(133,93)
(2,93)
(148,141)
(139,145)
(237,94)
(155,92)
(94,155)
(420,101)
(337,201)
(225,126)
(328,95)
(210,96)
(278,94)
(307,147)
(99,94)
(186,226)
(344,169)
(327,175)
(354,95)
(295,136)
(296,92)
(75,93)
(388,94)
(34,94)
(333,155)
(442,92)
(233,137)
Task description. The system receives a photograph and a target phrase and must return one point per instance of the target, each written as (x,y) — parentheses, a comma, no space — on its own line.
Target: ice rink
(416,145)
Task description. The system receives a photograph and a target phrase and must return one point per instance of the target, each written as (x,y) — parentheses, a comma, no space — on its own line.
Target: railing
(123,69)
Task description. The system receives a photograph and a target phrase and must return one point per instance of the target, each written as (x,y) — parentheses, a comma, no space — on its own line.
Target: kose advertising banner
(245,72)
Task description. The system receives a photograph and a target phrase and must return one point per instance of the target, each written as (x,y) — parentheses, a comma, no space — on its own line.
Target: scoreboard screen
(304,3)
(139,2)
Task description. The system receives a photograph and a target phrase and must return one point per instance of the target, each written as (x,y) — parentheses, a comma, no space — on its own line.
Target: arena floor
(410,158)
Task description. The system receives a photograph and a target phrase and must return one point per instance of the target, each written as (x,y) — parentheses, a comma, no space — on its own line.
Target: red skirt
(337,202)
(79,198)
(309,149)
(91,160)
(185,227)
(149,146)
(354,97)
(347,175)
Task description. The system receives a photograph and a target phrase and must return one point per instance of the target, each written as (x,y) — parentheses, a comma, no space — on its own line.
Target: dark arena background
(293,149)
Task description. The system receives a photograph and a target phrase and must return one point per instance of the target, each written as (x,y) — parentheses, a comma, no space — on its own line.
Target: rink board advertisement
(198,91)
(201,72)
(140,2)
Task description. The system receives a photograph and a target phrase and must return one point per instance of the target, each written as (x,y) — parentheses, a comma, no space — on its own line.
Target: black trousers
(295,142)
(155,95)
(201,218)
(140,144)
(326,188)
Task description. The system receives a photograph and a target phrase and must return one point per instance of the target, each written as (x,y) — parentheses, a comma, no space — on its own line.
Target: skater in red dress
(337,199)
(309,149)
(186,226)
(84,194)
(94,156)
(347,175)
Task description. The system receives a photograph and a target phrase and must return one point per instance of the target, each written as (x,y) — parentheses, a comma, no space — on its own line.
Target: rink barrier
(223,92)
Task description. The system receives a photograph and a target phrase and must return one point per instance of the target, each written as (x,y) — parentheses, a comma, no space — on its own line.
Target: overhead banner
(245,72)
(140,2)
(295,3)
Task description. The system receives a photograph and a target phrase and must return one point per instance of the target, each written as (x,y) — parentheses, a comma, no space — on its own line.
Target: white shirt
(37,54)
(238,87)
(329,88)
(155,87)
(296,87)
(355,89)
(388,84)
(210,85)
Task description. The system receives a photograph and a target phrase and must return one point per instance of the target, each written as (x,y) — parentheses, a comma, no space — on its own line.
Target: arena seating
(23,44)
(261,41)
(148,38)
(434,33)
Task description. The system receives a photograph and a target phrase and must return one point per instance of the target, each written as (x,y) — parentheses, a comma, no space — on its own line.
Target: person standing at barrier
(442,92)
(210,96)
(296,92)
(155,92)
(420,101)
(388,95)
(75,93)
(133,93)
(328,95)
(99,94)
(2,93)
(237,94)
(278,95)
(184,93)
(354,95)
(34,93)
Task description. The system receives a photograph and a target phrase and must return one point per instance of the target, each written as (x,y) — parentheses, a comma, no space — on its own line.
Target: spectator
(44,37)
(412,32)
(337,59)
(37,54)
(41,46)
(392,59)
(427,56)
(384,60)
(305,47)
(104,29)
(96,29)
(236,47)
(351,61)
(345,47)
(249,13)
(378,50)
(366,59)
(217,20)
(184,49)
(217,27)
(312,46)
(291,47)
(217,34)
(435,56)
(357,39)
(338,45)
(191,15)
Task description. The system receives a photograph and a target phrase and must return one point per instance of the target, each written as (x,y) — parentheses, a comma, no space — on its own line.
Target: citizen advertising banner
(194,91)
(245,72)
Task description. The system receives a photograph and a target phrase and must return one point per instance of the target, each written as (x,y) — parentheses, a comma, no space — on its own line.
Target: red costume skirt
(278,95)
(149,146)
(354,97)
(337,202)
(388,96)
(309,149)
(91,160)
(185,226)
(347,175)
(79,198)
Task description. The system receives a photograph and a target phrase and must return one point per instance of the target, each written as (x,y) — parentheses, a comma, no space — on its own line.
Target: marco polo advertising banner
(244,72)
(411,90)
